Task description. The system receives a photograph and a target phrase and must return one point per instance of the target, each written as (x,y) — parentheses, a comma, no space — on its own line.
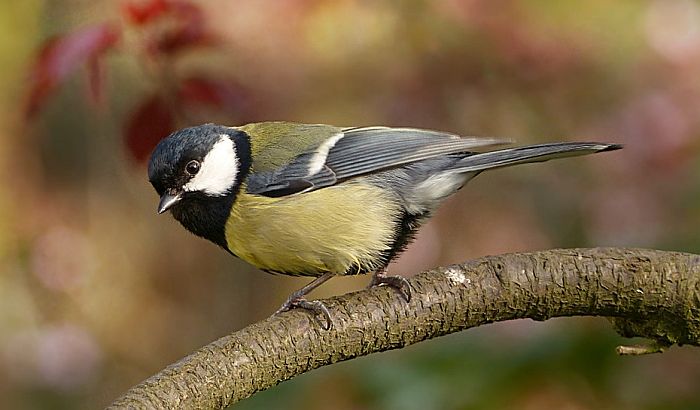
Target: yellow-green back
(274,144)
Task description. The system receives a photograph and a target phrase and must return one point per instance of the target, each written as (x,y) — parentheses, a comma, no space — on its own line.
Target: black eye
(192,167)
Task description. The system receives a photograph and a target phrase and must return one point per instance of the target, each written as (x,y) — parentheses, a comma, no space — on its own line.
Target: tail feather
(531,153)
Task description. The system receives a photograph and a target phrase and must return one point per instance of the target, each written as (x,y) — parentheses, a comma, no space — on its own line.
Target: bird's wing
(287,141)
(351,152)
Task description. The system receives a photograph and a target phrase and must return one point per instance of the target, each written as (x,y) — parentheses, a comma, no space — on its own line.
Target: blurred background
(97,292)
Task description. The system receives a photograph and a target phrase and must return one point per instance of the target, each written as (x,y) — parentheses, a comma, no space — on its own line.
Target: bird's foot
(297,300)
(399,283)
(315,306)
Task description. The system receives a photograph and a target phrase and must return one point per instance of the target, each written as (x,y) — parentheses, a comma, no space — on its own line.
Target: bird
(318,200)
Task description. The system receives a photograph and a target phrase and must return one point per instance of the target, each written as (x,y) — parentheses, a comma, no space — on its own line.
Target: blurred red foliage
(143,12)
(63,54)
(169,27)
(150,122)
(188,29)
(200,90)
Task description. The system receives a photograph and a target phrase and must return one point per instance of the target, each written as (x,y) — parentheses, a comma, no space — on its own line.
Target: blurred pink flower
(64,357)
(673,29)
(61,259)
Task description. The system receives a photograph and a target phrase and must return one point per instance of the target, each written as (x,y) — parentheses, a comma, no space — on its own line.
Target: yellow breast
(329,230)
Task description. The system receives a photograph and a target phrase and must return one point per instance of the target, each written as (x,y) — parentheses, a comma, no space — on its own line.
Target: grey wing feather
(530,153)
(361,151)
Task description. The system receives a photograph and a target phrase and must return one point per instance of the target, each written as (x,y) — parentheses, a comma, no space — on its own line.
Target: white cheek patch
(217,172)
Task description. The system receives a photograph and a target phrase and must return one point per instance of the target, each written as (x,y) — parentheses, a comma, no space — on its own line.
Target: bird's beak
(168,200)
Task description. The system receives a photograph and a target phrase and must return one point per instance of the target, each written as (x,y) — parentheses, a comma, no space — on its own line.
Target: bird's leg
(298,300)
(379,277)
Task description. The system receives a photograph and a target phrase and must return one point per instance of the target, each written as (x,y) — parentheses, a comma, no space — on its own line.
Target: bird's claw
(399,283)
(315,306)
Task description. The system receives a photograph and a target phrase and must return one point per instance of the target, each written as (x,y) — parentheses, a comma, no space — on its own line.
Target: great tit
(318,200)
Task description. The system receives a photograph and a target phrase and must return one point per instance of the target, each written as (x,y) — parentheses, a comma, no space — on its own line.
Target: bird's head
(197,164)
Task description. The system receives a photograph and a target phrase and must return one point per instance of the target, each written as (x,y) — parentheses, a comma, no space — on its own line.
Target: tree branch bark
(647,293)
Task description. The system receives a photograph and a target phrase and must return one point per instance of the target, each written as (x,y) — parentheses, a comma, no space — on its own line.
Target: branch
(648,293)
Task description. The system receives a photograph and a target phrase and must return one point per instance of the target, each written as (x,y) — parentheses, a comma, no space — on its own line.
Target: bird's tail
(531,153)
